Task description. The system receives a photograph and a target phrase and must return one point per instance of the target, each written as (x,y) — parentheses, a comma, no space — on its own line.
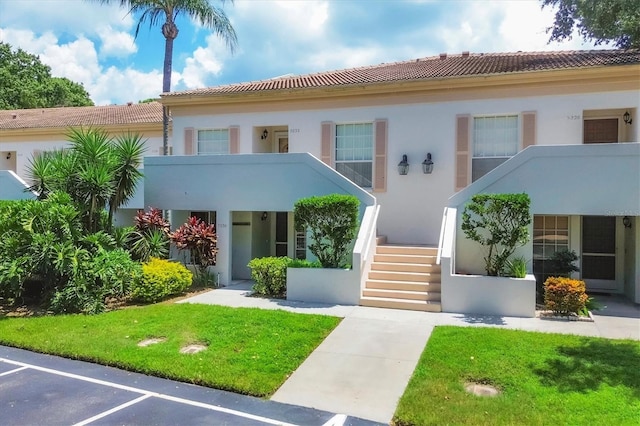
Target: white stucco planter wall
(484,295)
(319,285)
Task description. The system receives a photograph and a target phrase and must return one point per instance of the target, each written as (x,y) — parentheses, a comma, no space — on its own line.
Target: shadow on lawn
(584,368)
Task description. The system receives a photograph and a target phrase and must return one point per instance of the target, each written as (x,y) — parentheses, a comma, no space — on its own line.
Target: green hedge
(270,275)
(161,278)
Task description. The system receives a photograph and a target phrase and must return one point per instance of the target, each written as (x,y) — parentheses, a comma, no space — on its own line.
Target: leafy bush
(150,237)
(564,296)
(560,263)
(270,275)
(161,278)
(516,267)
(42,247)
(200,238)
(304,263)
(333,222)
(500,223)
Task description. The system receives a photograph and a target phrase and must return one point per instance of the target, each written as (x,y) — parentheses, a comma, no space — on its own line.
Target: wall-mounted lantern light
(265,134)
(427,165)
(627,118)
(626,221)
(403,166)
(8,156)
(264,216)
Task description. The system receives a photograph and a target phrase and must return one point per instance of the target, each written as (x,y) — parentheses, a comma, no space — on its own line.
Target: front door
(282,142)
(241,246)
(600,269)
(282,233)
(601,130)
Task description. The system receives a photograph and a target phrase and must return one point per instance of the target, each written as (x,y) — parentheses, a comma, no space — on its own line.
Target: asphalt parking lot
(37,389)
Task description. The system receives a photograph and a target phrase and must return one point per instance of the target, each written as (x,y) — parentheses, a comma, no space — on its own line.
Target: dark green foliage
(160,278)
(150,237)
(270,275)
(304,263)
(43,251)
(332,221)
(98,172)
(500,223)
(25,82)
(602,21)
(561,263)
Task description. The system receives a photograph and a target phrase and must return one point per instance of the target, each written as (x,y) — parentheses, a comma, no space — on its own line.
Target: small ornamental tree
(151,235)
(500,223)
(201,239)
(332,221)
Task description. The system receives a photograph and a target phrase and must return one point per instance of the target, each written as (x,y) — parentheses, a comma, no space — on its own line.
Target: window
(215,141)
(301,244)
(550,234)
(495,139)
(354,152)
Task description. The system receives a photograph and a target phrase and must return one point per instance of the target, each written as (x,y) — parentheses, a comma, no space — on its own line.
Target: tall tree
(25,82)
(602,21)
(166,12)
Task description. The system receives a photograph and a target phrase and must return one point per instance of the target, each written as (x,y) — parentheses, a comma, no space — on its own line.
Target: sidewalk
(363,366)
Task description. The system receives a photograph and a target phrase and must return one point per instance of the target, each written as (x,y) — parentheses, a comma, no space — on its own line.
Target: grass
(544,379)
(250,351)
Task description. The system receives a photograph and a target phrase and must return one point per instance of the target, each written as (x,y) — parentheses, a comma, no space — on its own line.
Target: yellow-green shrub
(270,275)
(564,295)
(161,278)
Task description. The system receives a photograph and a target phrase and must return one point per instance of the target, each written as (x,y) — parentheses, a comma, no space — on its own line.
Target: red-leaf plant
(151,221)
(198,237)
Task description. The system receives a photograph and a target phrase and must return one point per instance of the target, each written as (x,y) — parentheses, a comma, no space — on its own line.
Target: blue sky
(93,44)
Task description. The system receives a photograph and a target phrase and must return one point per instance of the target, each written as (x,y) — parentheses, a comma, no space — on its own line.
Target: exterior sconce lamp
(427,165)
(264,216)
(627,118)
(626,221)
(403,166)
(265,134)
(8,156)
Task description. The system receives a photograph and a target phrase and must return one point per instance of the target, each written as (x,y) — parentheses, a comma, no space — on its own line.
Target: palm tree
(155,11)
(95,171)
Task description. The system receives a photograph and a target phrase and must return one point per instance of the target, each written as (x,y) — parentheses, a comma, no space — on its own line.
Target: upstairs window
(495,140)
(354,152)
(214,141)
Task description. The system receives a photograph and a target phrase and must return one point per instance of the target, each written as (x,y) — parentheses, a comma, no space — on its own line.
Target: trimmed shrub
(304,263)
(564,296)
(332,221)
(500,223)
(161,278)
(270,275)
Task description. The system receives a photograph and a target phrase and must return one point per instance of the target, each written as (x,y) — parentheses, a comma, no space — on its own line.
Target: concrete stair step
(407,250)
(404,258)
(405,267)
(411,305)
(403,295)
(402,285)
(424,277)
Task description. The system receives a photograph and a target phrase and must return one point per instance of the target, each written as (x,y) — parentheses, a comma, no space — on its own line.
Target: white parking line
(149,393)
(113,410)
(12,371)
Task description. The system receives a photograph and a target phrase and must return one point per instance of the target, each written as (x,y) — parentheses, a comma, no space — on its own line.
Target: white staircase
(403,277)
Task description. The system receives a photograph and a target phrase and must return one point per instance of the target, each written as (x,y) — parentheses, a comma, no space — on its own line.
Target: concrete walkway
(363,366)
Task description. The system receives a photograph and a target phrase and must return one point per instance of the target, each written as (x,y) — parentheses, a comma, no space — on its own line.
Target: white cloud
(203,63)
(115,43)
(115,85)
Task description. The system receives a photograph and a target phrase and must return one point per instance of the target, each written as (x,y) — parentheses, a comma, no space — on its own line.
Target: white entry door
(241,246)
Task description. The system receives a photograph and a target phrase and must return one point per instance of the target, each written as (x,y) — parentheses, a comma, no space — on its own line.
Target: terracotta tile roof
(436,67)
(81,116)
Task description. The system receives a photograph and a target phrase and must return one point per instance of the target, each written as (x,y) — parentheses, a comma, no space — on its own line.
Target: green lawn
(544,378)
(250,351)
